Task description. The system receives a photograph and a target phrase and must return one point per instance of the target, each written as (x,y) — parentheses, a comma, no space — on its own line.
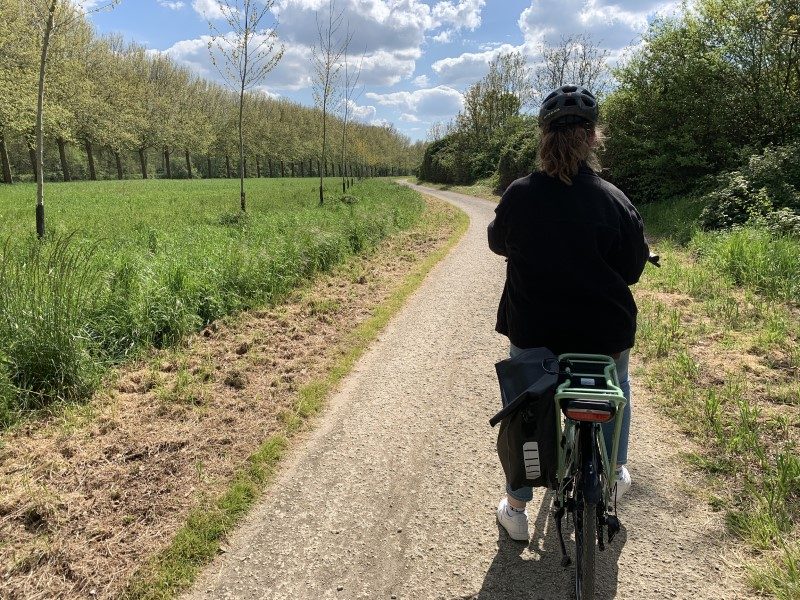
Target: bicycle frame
(567,431)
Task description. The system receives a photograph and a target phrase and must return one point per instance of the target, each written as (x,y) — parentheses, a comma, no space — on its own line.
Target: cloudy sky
(420,55)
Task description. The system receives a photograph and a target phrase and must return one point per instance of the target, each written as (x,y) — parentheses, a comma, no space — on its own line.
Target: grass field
(134,264)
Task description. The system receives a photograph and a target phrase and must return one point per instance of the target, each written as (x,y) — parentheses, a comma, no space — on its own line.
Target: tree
(705,88)
(17,78)
(349,96)
(576,59)
(325,58)
(249,52)
(51,18)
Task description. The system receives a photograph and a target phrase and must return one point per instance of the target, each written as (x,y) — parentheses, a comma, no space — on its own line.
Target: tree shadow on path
(534,572)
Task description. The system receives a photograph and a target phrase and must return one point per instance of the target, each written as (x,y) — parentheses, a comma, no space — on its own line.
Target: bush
(767,183)
(518,157)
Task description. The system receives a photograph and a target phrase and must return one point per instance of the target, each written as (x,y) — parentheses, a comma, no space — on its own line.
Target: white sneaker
(515,523)
(623,483)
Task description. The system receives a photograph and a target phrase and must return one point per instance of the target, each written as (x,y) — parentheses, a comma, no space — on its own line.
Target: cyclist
(574,243)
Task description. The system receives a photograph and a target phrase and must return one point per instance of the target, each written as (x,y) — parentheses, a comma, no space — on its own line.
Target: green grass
(131,265)
(483,188)
(197,542)
(754,258)
(745,419)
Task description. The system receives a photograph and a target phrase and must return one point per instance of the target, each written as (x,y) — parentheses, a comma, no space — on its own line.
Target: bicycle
(588,396)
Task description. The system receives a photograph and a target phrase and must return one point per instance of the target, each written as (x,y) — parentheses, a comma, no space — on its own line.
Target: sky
(419,55)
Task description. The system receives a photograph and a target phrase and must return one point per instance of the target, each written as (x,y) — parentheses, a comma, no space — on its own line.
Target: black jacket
(572,253)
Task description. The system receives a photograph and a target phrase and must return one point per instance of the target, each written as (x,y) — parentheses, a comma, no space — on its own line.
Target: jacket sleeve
(498,228)
(630,256)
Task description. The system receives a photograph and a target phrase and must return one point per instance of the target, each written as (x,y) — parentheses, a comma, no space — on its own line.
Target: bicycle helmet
(568,105)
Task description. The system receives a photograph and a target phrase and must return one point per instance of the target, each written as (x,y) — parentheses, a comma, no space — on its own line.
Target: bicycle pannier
(526,441)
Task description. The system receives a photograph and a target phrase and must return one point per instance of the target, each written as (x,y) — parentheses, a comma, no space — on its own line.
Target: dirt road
(393,495)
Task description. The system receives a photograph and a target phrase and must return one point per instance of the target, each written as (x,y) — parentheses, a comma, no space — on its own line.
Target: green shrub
(768,182)
(784,221)
(518,157)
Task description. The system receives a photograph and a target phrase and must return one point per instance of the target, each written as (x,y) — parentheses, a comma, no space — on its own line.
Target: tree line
(117,110)
(705,105)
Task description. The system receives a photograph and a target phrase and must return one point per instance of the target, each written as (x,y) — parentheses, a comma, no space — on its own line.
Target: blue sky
(420,55)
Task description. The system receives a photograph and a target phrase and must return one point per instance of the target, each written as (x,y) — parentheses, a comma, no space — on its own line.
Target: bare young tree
(349,96)
(326,59)
(576,59)
(249,51)
(51,17)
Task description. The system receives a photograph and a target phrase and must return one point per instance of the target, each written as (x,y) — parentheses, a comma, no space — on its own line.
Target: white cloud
(172,5)
(461,15)
(210,9)
(421,81)
(409,118)
(469,66)
(444,37)
(613,25)
(365,114)
(388,68)
(440,101)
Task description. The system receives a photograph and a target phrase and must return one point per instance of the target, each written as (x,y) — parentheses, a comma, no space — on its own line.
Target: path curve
(393,494)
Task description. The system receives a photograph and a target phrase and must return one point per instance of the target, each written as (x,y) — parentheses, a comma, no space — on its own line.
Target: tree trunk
(228,166)
(39,154)
(208,167)
(283,169)
(269,162)
(143,163)
(90,157)
(120,174)
(188,164)
(258,167)
(62,155)
(302,168)
(7,177)
(292,165)
(310,168)
(167,165)
(242,164)
(34,162)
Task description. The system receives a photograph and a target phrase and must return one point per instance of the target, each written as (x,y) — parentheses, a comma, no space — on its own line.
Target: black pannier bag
(526,442)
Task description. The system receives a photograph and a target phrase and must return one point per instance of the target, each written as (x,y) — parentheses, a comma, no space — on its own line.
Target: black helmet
(567,105)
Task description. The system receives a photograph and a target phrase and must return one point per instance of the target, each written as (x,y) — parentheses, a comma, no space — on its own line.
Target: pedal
(612,521)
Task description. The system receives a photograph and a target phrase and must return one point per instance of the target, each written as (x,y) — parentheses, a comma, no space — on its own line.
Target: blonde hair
(563,149)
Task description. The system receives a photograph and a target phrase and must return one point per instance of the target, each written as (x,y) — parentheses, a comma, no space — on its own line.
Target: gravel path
(393,494)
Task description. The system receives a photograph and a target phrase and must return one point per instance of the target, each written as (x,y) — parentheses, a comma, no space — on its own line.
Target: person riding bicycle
(574,244)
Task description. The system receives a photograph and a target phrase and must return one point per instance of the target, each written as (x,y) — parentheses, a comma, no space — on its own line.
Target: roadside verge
(131,496)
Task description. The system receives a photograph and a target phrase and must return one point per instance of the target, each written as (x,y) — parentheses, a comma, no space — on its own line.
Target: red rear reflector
(587,414)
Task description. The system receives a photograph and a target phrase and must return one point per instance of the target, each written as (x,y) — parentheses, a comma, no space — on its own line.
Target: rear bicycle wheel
(585,546)
(587,495)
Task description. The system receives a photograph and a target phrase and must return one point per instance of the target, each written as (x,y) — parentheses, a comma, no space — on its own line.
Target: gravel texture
(393,494)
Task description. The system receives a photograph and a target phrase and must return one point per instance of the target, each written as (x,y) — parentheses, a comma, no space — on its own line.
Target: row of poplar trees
(115,109)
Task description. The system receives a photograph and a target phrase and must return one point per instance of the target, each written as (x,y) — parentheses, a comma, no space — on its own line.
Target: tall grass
(131,265)
(739,293)
(755,258)
(46,295)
